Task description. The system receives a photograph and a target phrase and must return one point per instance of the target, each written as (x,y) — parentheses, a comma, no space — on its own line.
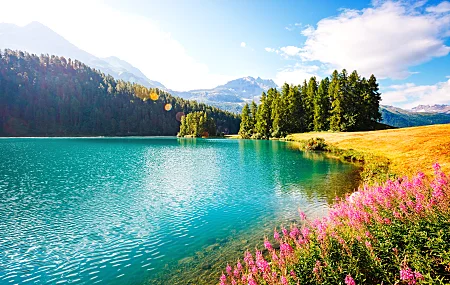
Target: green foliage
(314,144)
(346,103)
(197,124)
(54,96)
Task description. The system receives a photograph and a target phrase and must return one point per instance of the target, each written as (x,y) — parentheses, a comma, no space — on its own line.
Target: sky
(194,44)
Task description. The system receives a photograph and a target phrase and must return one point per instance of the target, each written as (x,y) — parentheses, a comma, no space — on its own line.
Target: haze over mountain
(418,116)
(39,39)
(238,90)
(444,109)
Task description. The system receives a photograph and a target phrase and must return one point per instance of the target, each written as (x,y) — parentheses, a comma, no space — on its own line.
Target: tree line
(342,103)
(197,124)
(54,96)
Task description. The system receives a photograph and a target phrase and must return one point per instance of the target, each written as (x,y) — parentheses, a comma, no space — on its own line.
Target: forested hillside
(54,96)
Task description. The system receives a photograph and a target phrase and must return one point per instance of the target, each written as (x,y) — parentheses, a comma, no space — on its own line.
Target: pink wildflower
(223,278)
(229,269)
(284,231)
(302,215)
(436,167)
(284,280)
(406,274)
(349,280)
(276,235)
(267,245)
(294,233)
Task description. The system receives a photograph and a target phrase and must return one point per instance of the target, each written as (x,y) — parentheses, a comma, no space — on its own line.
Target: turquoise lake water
(150,210)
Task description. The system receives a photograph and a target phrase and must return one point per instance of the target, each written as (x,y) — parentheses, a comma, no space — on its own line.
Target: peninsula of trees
(344,103)
(197,124)
(54,96)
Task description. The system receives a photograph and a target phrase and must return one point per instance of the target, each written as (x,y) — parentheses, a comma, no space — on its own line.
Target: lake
(150,210)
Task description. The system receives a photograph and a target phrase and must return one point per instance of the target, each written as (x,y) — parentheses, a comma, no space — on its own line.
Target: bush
(396,233)
(315,144)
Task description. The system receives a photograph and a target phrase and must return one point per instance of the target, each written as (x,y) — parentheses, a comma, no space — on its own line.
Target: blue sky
(201,44)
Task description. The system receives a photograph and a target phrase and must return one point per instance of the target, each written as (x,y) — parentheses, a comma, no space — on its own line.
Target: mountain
(432,109)
(418,116)
(232,94)
(39,39)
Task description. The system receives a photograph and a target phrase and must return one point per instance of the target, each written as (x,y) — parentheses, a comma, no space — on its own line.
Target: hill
(55,96)
(39,39)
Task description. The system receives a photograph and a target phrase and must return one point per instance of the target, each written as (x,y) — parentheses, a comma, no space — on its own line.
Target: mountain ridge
(37,38)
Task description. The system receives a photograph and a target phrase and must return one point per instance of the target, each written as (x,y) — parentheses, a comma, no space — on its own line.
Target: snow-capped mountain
(236,91)
(432,109)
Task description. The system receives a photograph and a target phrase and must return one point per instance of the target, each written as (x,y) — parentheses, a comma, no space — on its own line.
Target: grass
(408,150)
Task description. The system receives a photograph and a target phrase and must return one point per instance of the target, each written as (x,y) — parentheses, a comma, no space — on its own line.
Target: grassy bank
(394,233)
(390,153)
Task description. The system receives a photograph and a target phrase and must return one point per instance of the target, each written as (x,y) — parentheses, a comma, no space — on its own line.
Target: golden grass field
(409,149)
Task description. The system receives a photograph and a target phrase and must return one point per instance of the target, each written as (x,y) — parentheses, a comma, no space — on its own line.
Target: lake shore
(387,153)
(408,150)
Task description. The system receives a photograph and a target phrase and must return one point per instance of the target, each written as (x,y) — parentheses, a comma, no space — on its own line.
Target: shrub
(314,144)
(396,233)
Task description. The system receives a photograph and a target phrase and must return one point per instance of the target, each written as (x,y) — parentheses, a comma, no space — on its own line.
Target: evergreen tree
(246,129)
(334,92)
(322,106)
(374,99)
(295,111)
(263,121)
(197,124)
(309,110)
(253,111)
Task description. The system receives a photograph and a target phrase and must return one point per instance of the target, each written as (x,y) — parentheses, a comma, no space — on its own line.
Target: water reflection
(156,210)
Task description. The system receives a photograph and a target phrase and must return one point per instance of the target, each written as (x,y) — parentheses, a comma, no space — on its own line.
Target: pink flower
(436,167)
(285,232)
(267,245)
(406,274)
(294,233)
(284,280)
(276,235)
(229,269)
(302,215)
(349,280)
(223,278)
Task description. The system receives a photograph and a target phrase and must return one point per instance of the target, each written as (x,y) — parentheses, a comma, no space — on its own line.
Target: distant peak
(36,24)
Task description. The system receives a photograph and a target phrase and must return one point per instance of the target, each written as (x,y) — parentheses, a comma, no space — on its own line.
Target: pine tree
(374,99)
(253,111)
(263,122)
(322,106)
(245,130)
(310,95)
(334,92)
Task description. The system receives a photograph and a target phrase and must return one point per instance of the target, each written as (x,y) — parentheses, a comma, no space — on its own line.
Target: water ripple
(117,211)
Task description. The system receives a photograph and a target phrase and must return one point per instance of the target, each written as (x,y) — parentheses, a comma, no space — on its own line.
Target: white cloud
(296,74)
(385,40)
(443,7)
(270,49)
(410,95)
(290,51)
(243,44)
(104,31)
